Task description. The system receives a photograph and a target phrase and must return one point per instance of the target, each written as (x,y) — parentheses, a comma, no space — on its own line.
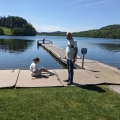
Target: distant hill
(111,31)
(13,25)
(57,33)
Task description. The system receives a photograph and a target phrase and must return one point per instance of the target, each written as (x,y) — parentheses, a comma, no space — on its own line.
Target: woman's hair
(36,59)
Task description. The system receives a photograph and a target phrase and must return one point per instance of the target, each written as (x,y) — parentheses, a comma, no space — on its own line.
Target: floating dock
(40,42)
(59,54)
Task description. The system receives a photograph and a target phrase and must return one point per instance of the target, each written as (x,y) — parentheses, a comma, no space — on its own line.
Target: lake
(19,51)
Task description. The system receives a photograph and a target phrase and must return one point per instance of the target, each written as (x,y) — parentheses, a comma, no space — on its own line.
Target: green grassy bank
(67,103)
(6,31)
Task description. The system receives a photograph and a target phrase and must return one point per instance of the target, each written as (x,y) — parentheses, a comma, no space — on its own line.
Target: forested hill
(111,31)
(17,26)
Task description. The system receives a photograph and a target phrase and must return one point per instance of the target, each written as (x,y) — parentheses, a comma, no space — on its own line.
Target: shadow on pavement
(41,76)
(93,88)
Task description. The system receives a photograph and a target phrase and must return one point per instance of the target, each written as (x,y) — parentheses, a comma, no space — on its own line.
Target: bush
(17,31)
(1,31)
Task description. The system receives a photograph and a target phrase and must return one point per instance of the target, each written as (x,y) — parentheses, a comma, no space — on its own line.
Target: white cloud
(100,3)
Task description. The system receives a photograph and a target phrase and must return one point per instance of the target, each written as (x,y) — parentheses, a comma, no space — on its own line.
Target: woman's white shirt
(32,67)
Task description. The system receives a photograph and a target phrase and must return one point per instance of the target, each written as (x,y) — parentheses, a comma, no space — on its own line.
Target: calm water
(18,52)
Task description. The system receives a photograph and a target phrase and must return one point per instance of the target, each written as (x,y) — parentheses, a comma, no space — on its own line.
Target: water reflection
(15,46)
(109,47)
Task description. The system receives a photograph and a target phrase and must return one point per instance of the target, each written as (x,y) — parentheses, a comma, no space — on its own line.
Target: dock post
(83,51)
(51,42)
(82,61)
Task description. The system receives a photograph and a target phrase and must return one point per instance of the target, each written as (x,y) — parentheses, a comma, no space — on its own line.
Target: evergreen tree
(18,25)
(1,31)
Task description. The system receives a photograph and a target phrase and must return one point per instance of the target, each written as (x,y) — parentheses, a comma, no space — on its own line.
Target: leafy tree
(111,31)
(18,31)
(18,25)
(1,31)
(29,30)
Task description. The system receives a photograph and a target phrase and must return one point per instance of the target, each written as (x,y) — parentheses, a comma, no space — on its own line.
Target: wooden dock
(40,42)
(59,53)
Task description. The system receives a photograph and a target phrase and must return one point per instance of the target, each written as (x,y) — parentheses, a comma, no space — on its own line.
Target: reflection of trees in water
(15,46)
(110,47)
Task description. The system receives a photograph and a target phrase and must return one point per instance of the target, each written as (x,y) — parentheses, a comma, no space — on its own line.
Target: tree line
(110,31)
(57,33)
(1,31)
(17,25)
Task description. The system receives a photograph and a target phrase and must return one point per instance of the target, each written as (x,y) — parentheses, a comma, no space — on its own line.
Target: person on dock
(36,72)
(71,53)
(43,40)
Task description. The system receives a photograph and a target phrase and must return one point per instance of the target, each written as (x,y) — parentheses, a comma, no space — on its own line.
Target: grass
(66,103)
(6,31)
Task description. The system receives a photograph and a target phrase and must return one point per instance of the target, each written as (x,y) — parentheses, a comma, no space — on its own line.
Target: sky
(64,15)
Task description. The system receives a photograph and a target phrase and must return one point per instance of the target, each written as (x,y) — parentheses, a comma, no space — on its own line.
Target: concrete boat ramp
(94,73)
(22,78)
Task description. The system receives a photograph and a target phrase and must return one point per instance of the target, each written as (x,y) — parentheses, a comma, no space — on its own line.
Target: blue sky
(64,15)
